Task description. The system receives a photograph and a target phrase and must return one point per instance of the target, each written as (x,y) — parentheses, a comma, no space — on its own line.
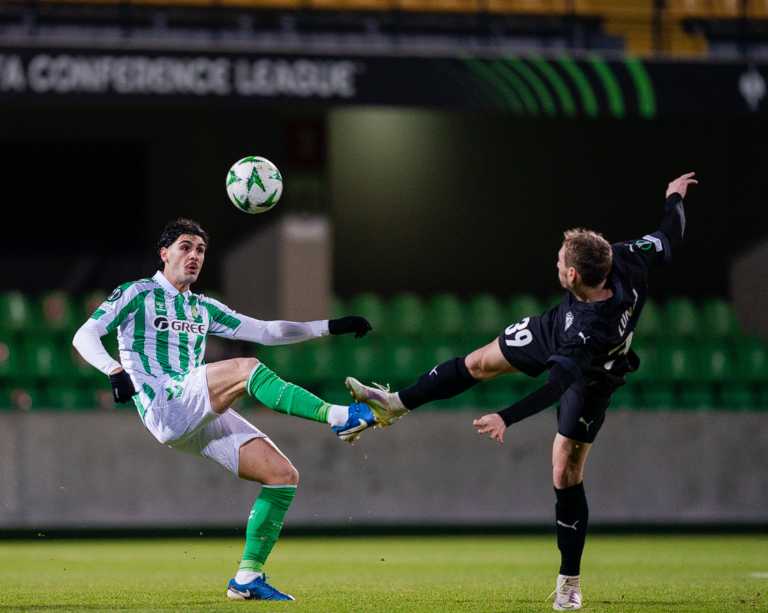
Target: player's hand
(680,185)
(492,423)
(349,324)
(122,386)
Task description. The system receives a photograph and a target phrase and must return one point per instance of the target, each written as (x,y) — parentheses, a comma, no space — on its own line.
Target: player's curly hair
(589,253)
(174,229)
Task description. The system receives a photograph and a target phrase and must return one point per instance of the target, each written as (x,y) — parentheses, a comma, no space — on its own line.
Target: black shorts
(525,344)
(581,411)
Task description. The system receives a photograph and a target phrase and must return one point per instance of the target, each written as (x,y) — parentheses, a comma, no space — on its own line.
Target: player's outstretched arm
(492,423)
(558,380)
(349,324)
(680,185)
(88,343)
(280,332)
(673,224)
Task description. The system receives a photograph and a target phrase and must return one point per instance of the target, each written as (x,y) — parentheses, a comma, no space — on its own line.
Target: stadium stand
(673,27)
(692,356)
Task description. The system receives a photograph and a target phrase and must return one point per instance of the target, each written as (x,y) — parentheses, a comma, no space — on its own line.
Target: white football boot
(386,405)
(567,594)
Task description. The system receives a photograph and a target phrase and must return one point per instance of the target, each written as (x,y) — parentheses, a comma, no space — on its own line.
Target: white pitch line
(759,575)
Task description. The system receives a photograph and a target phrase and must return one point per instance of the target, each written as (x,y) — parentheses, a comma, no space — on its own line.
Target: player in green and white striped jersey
(162,329)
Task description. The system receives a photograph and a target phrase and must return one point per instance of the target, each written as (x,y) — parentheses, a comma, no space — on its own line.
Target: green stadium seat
(12,360)
(677,362)
(446,316)
(372,308)
(21,398)
(736,396)
(651,323)
(339,308)
(89,305)
(407,315)
(696,396)
(70,398)
(363,361)
(437,351)
(335,393)
(58,312)
(521,306)
(46,360)
(323,363)
(751,360)
(716,362)
(403,363)
(15,312)
(485,316)
(681,318)
(659,395)
(554,299)
(623,397)
(718,319)
(470,399)
(498,393)
(289,362)
(649,363)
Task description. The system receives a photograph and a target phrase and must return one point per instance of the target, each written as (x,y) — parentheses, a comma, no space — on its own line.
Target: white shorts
(177,411)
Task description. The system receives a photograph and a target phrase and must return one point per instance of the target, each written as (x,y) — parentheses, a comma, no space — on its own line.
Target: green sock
(285,397)
(264,524)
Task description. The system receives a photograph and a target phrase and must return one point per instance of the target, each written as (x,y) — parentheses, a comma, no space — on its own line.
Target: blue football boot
(258,589)
(360,418)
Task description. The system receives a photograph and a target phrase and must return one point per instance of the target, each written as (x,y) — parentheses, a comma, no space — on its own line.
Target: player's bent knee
(245,366)
(286,475)
(566,474)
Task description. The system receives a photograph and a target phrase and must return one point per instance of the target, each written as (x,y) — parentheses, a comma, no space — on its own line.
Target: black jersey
(591,339)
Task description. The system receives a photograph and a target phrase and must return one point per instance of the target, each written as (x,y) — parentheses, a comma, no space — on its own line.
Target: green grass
(442,574)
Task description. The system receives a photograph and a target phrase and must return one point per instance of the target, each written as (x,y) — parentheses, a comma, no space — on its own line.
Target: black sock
(445,380)
(572,515)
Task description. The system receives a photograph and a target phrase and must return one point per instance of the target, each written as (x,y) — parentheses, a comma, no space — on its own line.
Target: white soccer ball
(254,184)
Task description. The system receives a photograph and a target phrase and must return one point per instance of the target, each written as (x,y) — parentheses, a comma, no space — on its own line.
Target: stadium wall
(90,471)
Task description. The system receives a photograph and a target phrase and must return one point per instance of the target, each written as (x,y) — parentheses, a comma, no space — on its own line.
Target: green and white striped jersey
(161,331)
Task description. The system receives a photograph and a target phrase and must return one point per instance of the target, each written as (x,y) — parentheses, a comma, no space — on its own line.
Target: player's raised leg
(445,380)
(230,379)
(572,515)
(260,460)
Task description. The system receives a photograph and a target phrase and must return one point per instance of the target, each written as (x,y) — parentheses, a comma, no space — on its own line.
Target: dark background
(461,202)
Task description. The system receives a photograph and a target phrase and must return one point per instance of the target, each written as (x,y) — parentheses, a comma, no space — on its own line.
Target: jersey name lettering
(627,314)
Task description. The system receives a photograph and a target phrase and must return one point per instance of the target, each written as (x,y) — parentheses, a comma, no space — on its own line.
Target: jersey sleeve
(119,307)
(648,251)
(656,248)
(576,354)
(224,321)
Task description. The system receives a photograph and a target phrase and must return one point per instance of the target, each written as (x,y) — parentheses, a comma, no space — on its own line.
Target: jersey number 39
(519,334)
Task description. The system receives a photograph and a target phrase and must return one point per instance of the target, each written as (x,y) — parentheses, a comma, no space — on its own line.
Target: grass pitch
(442,574)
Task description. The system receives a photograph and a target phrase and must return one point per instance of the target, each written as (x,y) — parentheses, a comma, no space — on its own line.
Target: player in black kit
(584,342)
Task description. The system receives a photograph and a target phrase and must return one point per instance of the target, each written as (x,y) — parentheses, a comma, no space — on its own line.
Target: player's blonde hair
(589,253)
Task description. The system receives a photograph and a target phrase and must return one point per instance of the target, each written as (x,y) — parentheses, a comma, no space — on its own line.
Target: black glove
(351,323)
(122,387)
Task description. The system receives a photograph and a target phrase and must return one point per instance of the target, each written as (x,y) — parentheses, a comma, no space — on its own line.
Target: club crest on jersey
(195,312)
(568,319)
(162,324)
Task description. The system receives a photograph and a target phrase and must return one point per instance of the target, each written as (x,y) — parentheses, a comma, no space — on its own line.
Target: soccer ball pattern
(254,184)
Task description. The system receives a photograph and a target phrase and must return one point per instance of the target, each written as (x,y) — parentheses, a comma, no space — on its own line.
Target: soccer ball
(254,184)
